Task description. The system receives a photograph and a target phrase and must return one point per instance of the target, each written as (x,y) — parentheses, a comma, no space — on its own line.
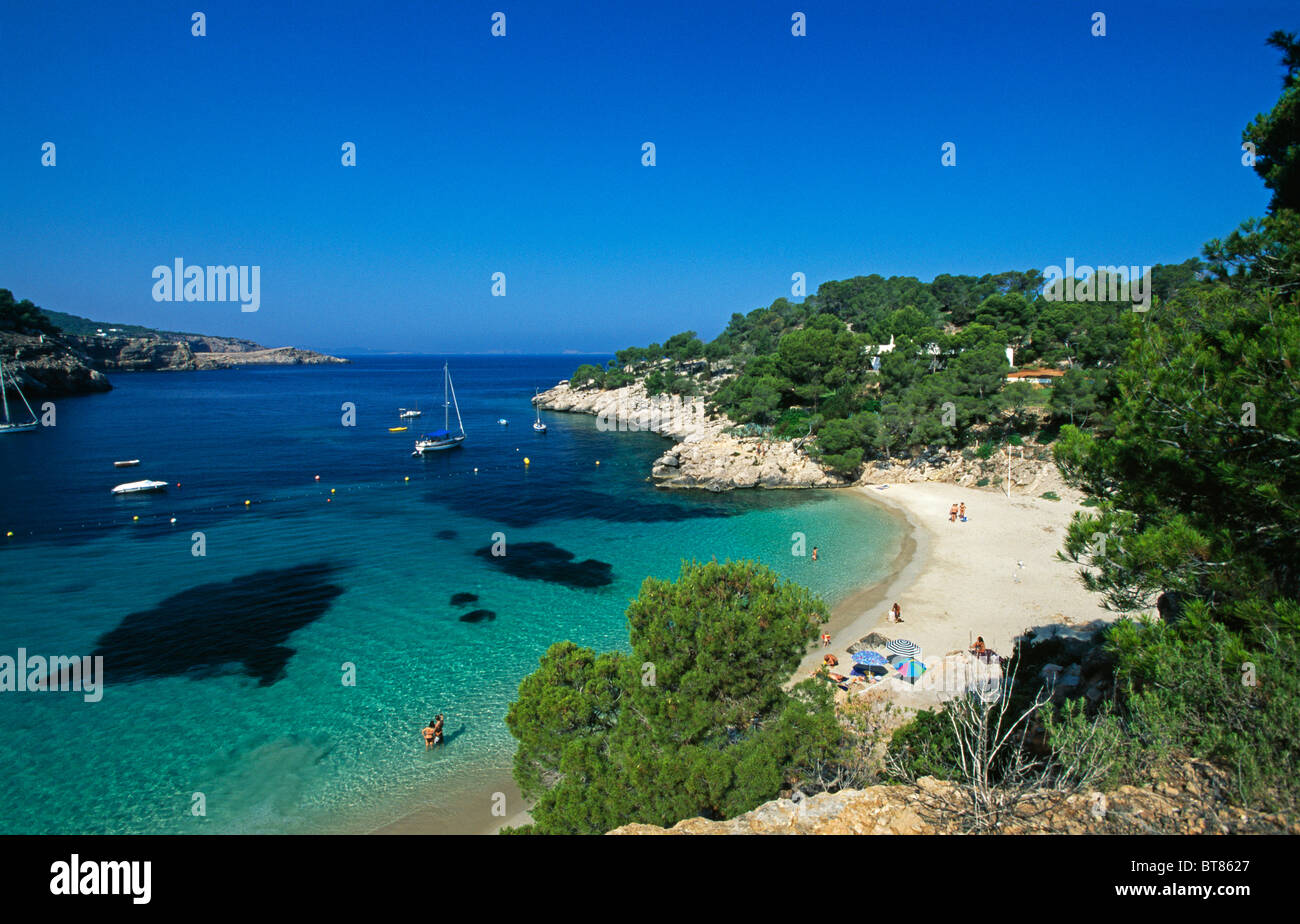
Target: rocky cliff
(46,367)
(188,353)
(706,454)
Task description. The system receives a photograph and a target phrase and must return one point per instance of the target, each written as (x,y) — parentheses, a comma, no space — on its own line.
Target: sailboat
(537,424)
(7,425)
(444,438)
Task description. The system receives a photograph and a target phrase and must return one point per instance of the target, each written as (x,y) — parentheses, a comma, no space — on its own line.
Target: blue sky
(522,154)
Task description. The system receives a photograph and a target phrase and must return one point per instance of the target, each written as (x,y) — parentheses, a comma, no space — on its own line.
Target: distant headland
(57,354)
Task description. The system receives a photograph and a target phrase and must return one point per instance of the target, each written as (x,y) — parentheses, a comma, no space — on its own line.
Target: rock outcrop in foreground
(1190,804)
(705,455)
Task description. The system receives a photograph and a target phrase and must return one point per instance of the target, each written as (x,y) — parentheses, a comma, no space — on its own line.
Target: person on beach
(437,730)
(429,733)
(962,512)
(826,640)
(978,647)
(897,613)
(814,553)
(952,514)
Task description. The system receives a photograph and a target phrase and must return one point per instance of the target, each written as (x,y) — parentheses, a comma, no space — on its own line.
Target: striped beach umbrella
(901,646)
(870,658)
(912,669)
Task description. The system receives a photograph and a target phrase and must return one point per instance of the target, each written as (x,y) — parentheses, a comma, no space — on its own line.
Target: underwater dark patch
(206,628)
(545,561)
(528,504)
(462,598)
(478,616)
(446,534)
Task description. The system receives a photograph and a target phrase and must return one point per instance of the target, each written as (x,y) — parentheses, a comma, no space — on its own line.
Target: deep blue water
(225,670)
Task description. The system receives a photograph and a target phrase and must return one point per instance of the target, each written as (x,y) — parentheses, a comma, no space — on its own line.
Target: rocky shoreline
(705,455)
(708,455)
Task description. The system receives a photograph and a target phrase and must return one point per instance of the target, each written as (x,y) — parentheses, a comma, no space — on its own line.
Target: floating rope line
(252,502)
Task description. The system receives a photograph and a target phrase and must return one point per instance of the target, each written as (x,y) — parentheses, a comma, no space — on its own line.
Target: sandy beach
(994,575)
(470,815)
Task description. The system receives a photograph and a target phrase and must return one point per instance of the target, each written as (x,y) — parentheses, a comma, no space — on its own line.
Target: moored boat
(140,487)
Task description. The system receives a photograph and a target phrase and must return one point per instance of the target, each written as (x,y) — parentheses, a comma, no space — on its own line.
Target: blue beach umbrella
(870,658)
(901,646)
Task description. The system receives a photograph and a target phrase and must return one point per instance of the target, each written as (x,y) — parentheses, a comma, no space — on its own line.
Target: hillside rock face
(1187,805)
(705,455)
(46,367)
(134,354)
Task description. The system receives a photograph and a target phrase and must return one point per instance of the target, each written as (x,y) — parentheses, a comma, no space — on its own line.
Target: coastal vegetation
(881,368)
(694,720)
(1193,482)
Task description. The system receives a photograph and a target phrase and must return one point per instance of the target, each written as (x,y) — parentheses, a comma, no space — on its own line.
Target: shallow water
(226,671)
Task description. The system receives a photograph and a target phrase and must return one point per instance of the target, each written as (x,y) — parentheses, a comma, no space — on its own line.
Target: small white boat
(129,463)
(140,487)
(409,415)
(503,421)
(537,424)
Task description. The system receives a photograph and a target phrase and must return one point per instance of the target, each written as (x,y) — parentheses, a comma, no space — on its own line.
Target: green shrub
(1050,495)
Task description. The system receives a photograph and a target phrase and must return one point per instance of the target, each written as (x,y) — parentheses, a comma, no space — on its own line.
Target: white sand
(963,579)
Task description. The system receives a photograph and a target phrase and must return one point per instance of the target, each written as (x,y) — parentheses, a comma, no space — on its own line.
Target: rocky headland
(706,454)
(47,365)
(710,453)
(186,353)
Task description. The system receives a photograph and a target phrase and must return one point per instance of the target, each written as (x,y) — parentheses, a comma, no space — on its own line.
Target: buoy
(475,471)
(247,502)
(331,490)
(318,477)
(173,519)
(329,500)
(526,461)
(597,461)
(408,477)
(9,534)
(135,517)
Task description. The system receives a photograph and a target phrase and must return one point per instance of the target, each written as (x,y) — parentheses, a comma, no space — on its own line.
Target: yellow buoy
(526,460)
(247,502)
(407,478)
(331,490)
(10,533)
(135,517)
(597,461)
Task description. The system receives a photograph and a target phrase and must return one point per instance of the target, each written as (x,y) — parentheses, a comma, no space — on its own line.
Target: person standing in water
(437,730)
(429,733)
(814,553)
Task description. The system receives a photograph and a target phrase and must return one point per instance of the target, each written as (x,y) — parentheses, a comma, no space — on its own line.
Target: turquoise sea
(225,671)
